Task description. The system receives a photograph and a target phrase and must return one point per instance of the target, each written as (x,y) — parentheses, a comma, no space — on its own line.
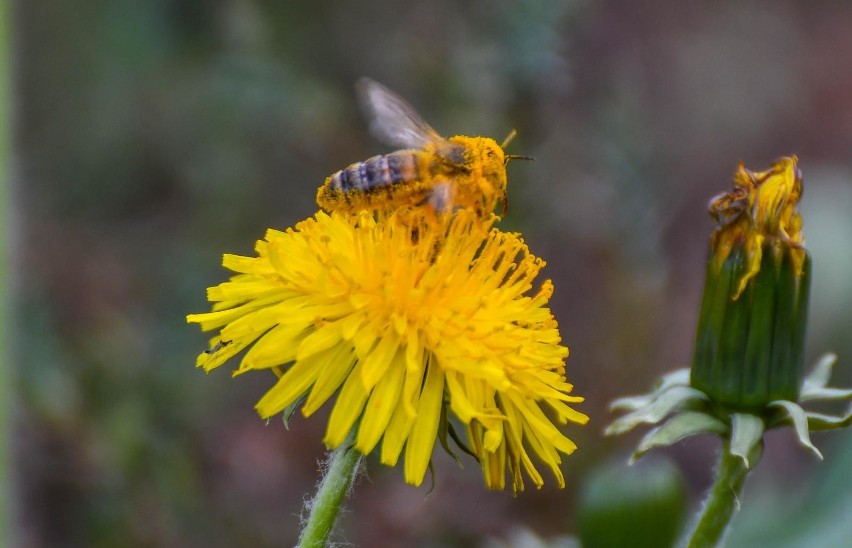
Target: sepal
(678,377)
(816,386)
(799,420)
(818,421)
(291,409)
(746,435)
(672,399)
(683,425)
(690,411)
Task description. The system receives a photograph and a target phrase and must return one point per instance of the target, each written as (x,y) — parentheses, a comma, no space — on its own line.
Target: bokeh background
(151,137)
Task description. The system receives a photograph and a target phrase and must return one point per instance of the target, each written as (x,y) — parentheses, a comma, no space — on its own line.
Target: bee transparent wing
(392,120)
(442,197)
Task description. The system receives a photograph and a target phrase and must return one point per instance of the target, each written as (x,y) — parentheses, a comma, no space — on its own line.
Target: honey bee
(432,170)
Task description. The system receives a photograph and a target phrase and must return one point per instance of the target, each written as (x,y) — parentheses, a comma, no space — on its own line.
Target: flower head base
(405,317)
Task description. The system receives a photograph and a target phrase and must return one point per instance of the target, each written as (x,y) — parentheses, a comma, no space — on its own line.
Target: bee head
(485,160)
(506,157)
(493,166)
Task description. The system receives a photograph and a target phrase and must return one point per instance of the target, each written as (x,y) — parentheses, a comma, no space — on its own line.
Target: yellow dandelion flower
(407,319)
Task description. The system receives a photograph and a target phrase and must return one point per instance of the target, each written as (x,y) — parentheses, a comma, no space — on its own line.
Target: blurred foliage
(6,388)
(819,518)
(643,505)
(153,136)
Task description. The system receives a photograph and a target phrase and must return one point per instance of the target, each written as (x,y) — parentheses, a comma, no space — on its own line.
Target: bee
(431,170)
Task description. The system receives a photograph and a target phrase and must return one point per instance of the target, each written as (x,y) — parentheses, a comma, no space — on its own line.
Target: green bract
(749,350)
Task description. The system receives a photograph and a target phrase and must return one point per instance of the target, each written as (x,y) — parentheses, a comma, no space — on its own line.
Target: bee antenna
(509,138)
(518,157)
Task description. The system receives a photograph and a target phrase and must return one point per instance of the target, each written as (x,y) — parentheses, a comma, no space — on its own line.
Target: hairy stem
(724,498)
(340,471)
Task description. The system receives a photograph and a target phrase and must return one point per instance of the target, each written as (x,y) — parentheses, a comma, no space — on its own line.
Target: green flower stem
(724,498)
(342,467)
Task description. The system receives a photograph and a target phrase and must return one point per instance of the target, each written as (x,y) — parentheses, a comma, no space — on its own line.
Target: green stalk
(724,498)
(340,471)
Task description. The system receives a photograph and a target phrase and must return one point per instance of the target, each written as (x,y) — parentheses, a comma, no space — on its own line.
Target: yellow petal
(330,378)
(347,409)
(379,409)
(295,382)
(418,450)
(376,362)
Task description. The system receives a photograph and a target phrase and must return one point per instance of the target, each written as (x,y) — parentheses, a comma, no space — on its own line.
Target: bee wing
(393,120)
(442,197)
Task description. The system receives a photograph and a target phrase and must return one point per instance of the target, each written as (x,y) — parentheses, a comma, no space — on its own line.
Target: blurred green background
(151,137)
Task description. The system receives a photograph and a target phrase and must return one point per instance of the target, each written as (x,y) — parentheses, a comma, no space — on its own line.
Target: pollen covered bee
(432,170)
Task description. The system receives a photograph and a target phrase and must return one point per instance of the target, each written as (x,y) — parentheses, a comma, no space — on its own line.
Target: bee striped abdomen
(379,177)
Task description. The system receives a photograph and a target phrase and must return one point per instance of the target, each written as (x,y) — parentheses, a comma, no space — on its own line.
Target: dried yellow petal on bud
(760,212)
